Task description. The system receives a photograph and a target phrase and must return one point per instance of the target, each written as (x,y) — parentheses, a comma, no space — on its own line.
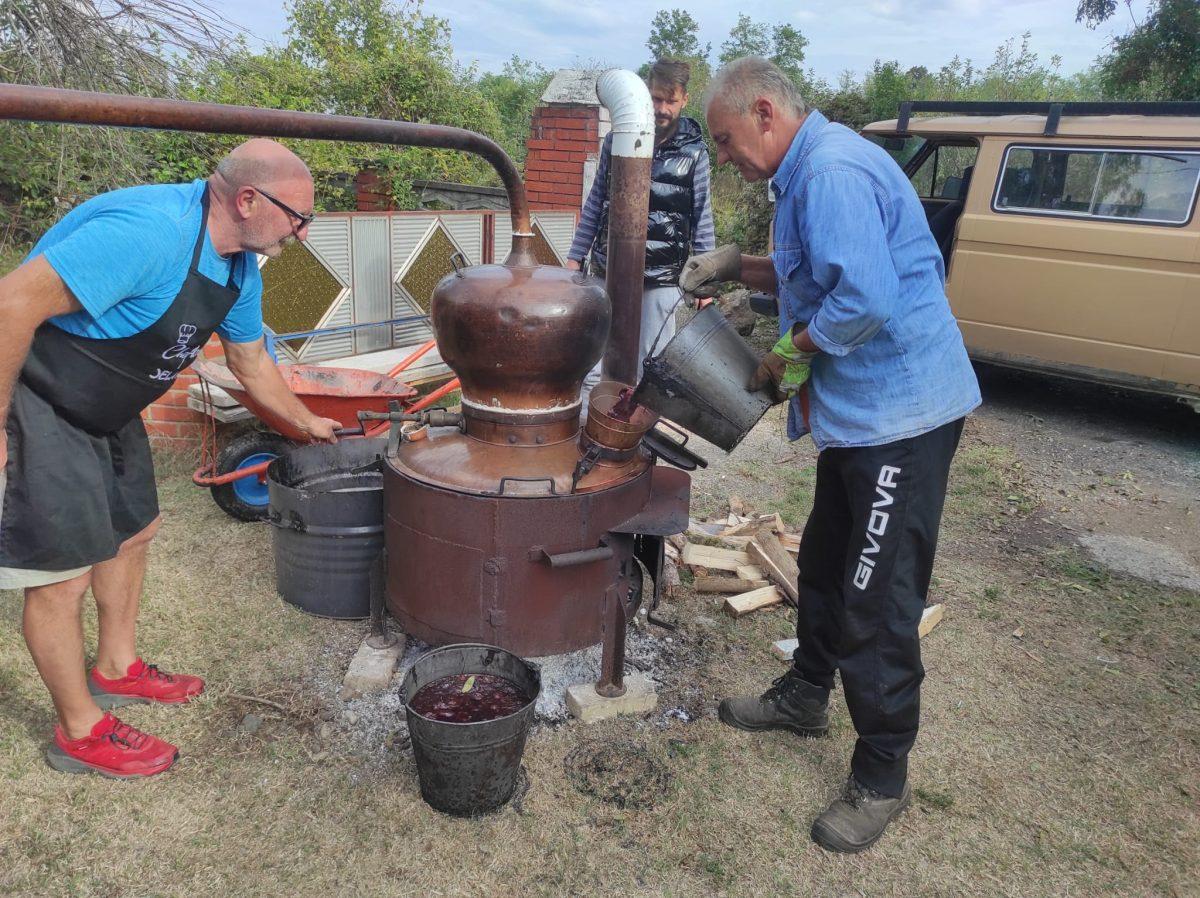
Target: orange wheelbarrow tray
(337,393)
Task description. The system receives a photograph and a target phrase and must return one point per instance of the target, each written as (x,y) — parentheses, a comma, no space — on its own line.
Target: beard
(664,125)
(263,244)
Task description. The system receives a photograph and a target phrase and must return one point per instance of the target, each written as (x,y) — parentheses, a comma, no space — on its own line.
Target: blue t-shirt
(125,255)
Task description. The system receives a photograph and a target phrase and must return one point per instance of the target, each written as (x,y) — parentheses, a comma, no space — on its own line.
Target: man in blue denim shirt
(868,339)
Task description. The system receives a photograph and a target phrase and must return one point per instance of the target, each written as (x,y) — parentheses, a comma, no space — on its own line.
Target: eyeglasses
(305,220)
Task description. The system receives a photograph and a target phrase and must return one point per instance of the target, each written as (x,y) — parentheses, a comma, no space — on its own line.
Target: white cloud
(843,34)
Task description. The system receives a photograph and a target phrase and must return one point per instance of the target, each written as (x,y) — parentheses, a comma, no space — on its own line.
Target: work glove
(785,368)
(702,274)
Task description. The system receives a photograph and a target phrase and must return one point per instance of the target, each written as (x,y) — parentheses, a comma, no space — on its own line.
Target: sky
(843,34)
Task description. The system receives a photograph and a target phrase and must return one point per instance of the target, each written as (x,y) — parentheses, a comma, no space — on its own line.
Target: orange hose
(421,350)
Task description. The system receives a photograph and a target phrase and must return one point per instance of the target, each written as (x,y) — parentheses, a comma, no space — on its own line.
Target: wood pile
(746,556)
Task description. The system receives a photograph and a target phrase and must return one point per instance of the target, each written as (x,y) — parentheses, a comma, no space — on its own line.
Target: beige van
(1070,235)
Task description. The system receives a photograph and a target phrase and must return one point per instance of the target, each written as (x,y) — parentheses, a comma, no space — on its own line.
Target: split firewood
(755,524)
(768,553)
(670,552)
(713,557)
(930,618)
(672,586)
(736,505)
(704,529)
(727,584)
(750,572)
(764,597)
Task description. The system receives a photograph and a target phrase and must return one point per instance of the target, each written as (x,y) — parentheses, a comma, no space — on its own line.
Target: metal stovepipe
(625,96)
(77,107)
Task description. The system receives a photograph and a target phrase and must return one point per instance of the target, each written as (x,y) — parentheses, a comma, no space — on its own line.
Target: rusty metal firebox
(509,525)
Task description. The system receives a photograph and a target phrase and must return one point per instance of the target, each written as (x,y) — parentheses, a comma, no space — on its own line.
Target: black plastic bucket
(328,526)
(699,381)
(467,769)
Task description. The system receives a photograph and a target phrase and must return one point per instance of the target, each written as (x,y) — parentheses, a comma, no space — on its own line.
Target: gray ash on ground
(373,726)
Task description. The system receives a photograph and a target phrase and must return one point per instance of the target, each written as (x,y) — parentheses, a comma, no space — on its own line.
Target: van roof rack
(1053,111)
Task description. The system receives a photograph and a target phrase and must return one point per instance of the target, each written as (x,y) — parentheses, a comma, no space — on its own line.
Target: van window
(1158,187)
(945,173)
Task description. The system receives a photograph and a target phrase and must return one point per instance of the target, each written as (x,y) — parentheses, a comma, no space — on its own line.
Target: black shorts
(71,497)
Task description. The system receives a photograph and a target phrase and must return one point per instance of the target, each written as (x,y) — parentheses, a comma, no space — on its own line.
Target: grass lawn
(1059,752)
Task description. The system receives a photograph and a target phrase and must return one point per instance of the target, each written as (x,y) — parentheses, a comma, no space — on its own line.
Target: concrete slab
(588,706)
(371,669)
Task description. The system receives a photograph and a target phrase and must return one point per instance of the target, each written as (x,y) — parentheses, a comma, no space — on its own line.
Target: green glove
(798,368)
(785,367)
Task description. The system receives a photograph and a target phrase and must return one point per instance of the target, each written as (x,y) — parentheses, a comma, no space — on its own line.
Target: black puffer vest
(669,230)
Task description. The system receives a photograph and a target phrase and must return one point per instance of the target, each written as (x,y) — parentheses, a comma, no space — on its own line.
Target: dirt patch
(618,773)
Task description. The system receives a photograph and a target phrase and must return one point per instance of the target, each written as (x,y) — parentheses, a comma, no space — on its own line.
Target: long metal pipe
(628,101)
(77,107)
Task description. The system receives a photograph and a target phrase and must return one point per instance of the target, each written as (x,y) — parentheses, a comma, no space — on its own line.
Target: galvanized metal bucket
(699,381)
(468,769)
(327,522)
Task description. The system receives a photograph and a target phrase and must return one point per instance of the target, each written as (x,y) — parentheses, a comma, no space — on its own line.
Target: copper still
(518,526)
(510,523)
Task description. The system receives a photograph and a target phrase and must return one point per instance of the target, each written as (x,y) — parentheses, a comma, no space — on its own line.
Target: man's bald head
(261,162)
(265,192)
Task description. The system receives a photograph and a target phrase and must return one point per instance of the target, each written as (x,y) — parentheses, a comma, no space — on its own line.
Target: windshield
(902,149)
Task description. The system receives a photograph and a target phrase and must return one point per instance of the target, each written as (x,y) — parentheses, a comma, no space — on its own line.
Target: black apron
(80,473)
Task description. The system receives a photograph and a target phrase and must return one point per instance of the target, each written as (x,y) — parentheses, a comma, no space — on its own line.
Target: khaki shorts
(17,578)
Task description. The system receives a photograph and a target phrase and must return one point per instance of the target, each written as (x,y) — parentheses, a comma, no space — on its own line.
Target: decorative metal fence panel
(360,267)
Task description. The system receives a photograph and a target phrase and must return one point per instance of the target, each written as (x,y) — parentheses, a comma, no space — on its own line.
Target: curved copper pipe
(78,107)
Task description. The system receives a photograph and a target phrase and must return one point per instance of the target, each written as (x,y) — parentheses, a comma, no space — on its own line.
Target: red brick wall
(561,139)
(169,421)
(371,194)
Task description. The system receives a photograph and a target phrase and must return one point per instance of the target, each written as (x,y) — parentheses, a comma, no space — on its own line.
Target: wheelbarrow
(237,475)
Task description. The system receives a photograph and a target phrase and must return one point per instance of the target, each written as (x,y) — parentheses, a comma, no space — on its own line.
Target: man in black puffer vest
(680,221)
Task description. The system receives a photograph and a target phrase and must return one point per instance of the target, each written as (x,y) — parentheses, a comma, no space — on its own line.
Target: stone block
(371,669)
(589,706)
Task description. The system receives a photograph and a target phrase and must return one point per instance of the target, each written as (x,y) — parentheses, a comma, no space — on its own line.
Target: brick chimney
(567,131)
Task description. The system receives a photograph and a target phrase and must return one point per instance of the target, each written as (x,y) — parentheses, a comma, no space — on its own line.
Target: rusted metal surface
(666,510)
(612,653)
(606,429)
(456,461)
(464,568)
(48,104)
(520,338)
(629,205)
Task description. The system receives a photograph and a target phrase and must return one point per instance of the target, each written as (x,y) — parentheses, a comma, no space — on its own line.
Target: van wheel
(246,499)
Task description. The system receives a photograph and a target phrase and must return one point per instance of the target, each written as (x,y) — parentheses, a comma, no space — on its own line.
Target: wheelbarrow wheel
(246,499)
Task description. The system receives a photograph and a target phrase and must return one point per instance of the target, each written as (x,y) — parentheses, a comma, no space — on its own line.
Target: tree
(349,57)
(782,44)
(105,45)
(787,51)
(514,93)
(674,34)
(1159,59)
(746,38)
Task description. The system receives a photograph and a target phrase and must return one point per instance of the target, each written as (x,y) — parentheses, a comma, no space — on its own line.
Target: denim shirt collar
(802,144)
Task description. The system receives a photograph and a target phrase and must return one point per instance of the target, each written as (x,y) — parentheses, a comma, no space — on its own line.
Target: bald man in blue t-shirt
(113,303)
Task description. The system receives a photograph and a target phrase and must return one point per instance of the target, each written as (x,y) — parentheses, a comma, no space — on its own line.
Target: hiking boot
(112,749)
(855,821)
(143,683)
(790,704)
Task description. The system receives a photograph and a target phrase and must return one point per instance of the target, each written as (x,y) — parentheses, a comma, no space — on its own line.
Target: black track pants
(865,562)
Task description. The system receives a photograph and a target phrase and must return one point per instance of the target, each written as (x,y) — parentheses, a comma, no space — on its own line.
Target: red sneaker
(113,749)
(143,683)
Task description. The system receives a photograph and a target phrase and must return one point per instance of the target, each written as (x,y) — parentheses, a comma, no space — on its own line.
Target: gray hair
(739,84)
